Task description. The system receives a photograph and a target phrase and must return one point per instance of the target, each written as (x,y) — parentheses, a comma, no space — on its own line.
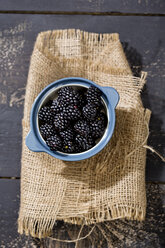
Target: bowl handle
(32,143)
(112,95)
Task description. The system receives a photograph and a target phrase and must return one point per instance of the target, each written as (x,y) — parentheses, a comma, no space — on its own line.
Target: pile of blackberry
(74,121)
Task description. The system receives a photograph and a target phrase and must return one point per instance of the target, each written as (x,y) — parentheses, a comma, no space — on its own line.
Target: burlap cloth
(111,184)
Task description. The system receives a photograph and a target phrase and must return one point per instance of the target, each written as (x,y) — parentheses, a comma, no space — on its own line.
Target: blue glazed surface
(35,142)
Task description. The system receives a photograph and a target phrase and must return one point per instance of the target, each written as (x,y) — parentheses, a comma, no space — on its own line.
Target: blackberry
(72,113)
(46,115)
(95,101)
(65,90)
(68,147)
(85,143)
(94,91)
(60,123)
(97,129)
(82,127)
(68,96)
(102,118)
(47,130)
(54,142)
(89,111)
(94,96)
(57,106)
(70,99)
(67,135)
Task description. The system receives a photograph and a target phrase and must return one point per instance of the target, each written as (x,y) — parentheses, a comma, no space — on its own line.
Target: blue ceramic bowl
(36,143)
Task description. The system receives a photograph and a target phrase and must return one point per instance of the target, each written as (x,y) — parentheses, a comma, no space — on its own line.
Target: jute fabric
(111,184)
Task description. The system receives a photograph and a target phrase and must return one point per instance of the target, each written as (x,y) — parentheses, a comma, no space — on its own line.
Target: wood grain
(122,233)
(96,6)
(143,41)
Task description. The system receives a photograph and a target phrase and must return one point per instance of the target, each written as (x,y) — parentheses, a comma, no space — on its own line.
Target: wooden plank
(9,207)
(122,233)
(96,6)
(143,40)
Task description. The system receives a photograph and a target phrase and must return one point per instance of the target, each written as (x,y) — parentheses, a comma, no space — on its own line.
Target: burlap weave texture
(109,185)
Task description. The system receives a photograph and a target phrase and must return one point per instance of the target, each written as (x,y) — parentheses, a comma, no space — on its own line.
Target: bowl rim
(35,127)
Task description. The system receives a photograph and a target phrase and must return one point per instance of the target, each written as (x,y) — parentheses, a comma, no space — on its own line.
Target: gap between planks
(76,13)
(12,178)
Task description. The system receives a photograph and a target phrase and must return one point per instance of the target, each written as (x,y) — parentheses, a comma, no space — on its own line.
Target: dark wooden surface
(144,44)
(88,6)
(143,40)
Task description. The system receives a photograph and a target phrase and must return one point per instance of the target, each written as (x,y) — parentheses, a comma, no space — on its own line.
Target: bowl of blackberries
(72,119)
